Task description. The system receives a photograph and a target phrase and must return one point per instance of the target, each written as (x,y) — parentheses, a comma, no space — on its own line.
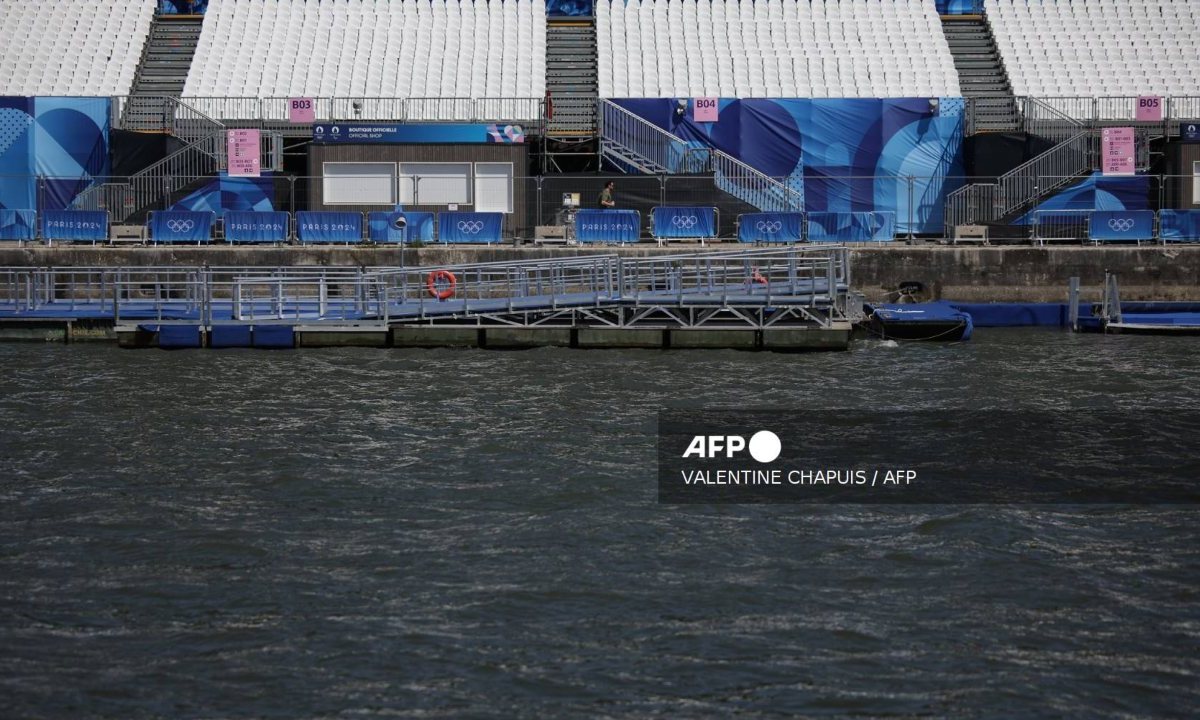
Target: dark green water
(468,533)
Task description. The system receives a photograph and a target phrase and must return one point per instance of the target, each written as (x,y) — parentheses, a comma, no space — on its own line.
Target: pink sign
(302,110)
(704,110)
(241,148)
(1149,109)
(1117,149)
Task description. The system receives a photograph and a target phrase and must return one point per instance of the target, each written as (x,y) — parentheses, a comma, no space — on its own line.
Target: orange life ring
(758,277)
(445,275)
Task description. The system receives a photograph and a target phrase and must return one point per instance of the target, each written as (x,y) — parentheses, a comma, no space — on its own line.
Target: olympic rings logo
(470,227)
(769,227)
(1121,224)
(180,225)
(685,221)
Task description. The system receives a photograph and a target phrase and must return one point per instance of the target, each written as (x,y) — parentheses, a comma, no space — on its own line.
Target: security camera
(399,222)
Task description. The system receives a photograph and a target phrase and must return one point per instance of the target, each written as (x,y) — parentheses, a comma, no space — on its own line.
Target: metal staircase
(634,145)
(572,89)
(981,74)
(158,185)
(1076,151)
(163,69)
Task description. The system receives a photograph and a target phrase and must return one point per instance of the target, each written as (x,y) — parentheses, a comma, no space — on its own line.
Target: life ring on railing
(431,283)
(757,277)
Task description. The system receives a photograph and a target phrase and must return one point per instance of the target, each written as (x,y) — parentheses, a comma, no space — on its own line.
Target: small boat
(918,321)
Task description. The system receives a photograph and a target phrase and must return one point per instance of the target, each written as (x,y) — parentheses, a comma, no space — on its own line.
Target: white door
(494,187)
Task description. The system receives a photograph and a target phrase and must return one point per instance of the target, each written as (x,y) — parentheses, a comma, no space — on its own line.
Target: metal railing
(273,111)
(631,140)
(206,295)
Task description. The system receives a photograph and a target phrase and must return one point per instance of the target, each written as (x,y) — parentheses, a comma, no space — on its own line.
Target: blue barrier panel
(382,227)
(17,224)
(684,222)
(1110,225)
(75,225)
(621,226)
(771,227)
(851,226)
(274,336)
(329,227)
(1179,225)
(256,227)
(182,7)
(229,336)
(179,226)
(469,227)
(179,336)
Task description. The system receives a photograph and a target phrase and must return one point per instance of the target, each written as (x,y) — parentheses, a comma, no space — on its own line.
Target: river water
(406,533)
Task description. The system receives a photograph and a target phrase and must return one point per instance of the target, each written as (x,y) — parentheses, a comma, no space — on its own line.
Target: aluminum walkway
(807,285)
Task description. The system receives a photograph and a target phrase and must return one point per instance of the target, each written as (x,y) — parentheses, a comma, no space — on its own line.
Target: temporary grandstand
(762,121)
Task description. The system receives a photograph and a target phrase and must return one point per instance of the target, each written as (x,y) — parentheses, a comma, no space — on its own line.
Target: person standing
(606,201)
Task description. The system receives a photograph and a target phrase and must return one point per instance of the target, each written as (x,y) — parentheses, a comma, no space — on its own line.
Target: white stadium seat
(67,48)
(1098,48)
(438,49)
(773,48)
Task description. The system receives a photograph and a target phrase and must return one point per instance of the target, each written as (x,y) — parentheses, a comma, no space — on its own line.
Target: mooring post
(1073,303)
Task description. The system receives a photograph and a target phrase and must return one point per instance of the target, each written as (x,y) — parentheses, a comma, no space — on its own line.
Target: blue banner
(570,8)
(771,227)
(256,227)
(329,227)
(1110,225)
(17,224)
(839,227)
(620,226)
(75,225)
(177,226)
(1179,225)
(409,133)
(684,222)
(469,227)
(383,227)
(182,7)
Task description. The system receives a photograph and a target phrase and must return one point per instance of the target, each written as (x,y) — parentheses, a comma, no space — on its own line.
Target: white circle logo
(1121,224)
(180,225)
(769,227)
(765,446)
(470,227)
(685,221)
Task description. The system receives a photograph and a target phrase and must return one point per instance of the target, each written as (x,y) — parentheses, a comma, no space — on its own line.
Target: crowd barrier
(608,226)
(1110,226)
(683,222)
(591,226)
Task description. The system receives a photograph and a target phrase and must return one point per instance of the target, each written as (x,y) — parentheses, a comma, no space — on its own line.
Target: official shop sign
(416,133)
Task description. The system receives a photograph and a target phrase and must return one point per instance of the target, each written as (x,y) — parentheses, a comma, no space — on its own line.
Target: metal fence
(534,202)
(273,112)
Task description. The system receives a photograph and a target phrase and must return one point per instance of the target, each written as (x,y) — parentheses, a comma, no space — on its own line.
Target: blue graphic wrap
(619,226)
(834,154)
(256,227)
(17,224)
(329,227)
(771,227)
(843,227)
(419,226)
(1179,225)
(174,226)
(223,193)
(469,227)
(684,222)
(75,225)
(1096,192)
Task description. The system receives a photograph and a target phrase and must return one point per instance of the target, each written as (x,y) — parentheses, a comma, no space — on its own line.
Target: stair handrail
(1046,172)
(627,130)
(668,153)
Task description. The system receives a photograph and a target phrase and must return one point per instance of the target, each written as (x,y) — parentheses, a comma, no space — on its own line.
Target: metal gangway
(795,283)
